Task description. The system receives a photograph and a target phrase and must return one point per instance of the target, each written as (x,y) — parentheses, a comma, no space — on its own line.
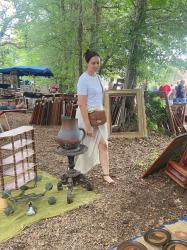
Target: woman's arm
(82,103)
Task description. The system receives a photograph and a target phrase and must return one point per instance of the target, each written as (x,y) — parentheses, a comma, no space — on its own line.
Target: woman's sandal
(112,182)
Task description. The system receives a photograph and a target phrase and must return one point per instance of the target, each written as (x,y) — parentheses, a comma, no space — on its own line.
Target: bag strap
(101,87)
(100,83)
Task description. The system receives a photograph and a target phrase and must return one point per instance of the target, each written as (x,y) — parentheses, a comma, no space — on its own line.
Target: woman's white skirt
(90,158)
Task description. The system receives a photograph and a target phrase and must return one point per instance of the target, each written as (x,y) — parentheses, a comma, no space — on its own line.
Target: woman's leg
(104,160)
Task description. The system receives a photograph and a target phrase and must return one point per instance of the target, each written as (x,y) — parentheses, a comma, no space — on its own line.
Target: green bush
(155,108)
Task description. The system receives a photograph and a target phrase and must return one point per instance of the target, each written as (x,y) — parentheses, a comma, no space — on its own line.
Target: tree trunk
(138,21)
(94,36)
(80,38)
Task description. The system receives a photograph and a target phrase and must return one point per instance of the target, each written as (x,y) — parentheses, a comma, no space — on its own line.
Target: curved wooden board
(175,150)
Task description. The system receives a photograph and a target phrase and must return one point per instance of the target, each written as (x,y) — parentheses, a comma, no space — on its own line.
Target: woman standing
(90,98)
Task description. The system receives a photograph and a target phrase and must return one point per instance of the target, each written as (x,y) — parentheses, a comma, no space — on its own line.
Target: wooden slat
(20,181)
(175,178)
(18,157)
(16,131)
(17,144)
(20,169)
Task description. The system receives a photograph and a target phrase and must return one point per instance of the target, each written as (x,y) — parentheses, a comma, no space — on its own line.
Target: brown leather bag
(97,117)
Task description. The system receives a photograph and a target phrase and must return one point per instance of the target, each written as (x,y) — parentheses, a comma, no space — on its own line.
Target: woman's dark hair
(89,54)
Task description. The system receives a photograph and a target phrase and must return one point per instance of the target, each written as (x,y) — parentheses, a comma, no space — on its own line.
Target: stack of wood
(178,171)
(173,161)
(179,114)
(174,121)
(50,111)
(123,110)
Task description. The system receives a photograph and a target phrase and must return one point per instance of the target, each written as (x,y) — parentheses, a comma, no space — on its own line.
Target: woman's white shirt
(90,86)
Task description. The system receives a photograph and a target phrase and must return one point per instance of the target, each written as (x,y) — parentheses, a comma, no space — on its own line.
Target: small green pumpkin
(51,200)
(8,211)
(6,194)
(38,178)
(48,186)
(24,188)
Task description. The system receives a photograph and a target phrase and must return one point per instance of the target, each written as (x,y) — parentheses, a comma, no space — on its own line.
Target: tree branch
(13,44)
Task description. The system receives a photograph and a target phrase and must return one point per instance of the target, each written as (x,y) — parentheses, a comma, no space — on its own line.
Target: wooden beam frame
(142,128)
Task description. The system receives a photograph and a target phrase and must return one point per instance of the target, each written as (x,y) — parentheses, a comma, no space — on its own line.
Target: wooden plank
(178,145)
(181,169)
(20,168)
(16,131)
(4,122)
(125,135)
(20,181)
(169,113)
(19,156)
(142,129)
(175,178)
(123,91)
(144,121)
(17,144)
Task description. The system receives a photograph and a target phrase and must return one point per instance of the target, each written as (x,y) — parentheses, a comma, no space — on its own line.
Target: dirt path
(122,212)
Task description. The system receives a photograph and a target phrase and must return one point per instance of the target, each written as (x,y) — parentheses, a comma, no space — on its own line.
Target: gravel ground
(133,206)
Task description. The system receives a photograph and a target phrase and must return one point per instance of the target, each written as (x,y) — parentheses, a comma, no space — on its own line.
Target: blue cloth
(5,86)
(6,107)
(115,246)
(181,100)
(27,70)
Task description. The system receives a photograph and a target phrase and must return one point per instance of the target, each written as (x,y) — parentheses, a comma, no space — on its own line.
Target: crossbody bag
(98,117)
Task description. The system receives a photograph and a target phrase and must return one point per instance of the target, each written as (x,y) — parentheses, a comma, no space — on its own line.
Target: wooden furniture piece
(173,161)
(4,125)
(19,167)
(179,117)
(178,171)
(125,112)
(169,112)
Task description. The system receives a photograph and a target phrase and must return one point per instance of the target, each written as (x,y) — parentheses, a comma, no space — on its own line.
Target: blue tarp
(27,71)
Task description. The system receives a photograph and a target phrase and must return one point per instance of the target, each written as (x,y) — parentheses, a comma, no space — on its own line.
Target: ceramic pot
(70,135)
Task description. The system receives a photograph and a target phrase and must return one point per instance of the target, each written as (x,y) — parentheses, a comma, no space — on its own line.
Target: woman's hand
(90,131)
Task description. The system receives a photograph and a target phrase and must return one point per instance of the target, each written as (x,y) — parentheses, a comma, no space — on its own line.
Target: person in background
(7,106)
(53,88)
(166,88)
(181,92)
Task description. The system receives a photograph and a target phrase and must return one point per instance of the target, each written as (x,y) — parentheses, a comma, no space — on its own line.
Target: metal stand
(72,177)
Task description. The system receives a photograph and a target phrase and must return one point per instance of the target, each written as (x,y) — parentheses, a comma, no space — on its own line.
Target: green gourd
(38,178)
(51,200)
(6,194)
(8,211)
(48,186)
(24,188)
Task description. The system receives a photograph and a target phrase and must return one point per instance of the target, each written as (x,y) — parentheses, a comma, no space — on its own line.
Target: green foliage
(55,33)
(155,110)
